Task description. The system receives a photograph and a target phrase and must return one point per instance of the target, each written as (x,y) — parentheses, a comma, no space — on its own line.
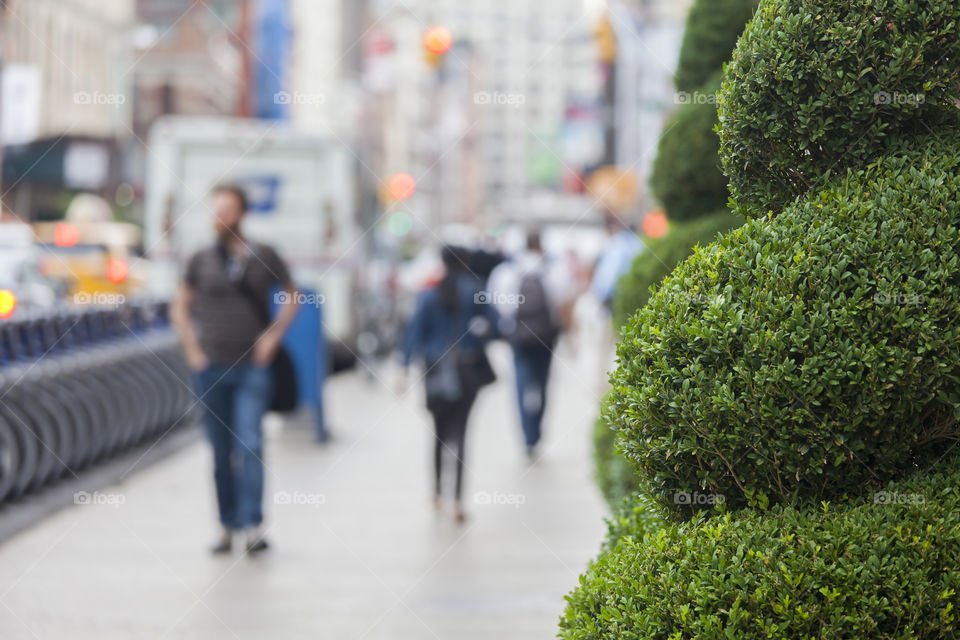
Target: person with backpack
(528,292)
(234,350)
(448,332)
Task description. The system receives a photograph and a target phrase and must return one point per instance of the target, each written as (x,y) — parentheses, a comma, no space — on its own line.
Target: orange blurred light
(8,303)
(655,224)
(438,40)
(116,270)
(401,186)
(65,235)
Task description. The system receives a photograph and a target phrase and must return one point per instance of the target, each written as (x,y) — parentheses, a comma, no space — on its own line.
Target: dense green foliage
(686,173)
(711,32)
(812,354)
(635,516)
(884,567)
(662,256)
(815,88)
(807,356)
(615,476)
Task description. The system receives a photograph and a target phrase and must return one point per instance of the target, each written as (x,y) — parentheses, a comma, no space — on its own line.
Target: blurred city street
(479,319)
(307,308)
(359,551)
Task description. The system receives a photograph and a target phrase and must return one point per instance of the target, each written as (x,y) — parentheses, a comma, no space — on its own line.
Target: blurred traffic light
(401,186)
(65,235)
(655,224)
(116,270)
(436,42)
(400,223)
(8,303)
(605,38)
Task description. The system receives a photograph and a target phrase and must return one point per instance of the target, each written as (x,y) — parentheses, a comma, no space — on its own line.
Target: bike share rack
(79,386)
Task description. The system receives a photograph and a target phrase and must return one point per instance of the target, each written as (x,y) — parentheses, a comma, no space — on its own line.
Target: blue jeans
(233,403)
(532,366)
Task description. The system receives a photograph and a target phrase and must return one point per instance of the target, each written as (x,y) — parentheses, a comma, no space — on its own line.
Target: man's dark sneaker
(224,544)
(257,546)
(255,540)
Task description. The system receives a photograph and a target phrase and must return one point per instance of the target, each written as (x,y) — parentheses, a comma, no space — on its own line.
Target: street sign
(19,104)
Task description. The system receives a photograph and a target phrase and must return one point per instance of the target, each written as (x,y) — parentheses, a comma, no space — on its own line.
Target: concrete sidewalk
(358,550)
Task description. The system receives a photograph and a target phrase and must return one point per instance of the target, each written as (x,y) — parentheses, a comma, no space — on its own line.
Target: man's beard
(225,234)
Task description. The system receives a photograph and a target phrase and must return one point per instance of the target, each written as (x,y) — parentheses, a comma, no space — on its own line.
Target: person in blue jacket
(448,332)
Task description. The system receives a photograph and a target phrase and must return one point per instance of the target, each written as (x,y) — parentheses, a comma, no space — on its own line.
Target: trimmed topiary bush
(880,568)
(636,516)
(615,476)
(709,37)
(809,356)
(813,354)
(686,173)
(815,88)
(662,256)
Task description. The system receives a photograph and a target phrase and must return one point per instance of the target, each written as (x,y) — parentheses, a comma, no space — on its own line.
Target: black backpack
(535,326)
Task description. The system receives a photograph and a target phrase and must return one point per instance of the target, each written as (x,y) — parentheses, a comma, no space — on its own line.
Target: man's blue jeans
(532,366)
(233,401)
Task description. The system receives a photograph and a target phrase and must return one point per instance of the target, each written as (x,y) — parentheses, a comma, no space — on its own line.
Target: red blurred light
(438,40)
(401,186)
(65,235)
(8,303)
(116,270)
(655,224)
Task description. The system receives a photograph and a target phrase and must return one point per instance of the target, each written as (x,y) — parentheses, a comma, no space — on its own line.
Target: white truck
(301,188)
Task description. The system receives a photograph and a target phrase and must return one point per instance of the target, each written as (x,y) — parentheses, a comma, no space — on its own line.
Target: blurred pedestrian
(448,331)
(530,293)
(222,316)
(616,258)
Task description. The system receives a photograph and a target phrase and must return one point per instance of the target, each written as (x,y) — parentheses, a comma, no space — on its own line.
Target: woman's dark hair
(447,287)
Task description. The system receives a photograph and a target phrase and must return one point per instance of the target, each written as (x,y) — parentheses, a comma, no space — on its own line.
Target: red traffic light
(438,40)
(116,270)
(65,235)
(655,224)
(401,186)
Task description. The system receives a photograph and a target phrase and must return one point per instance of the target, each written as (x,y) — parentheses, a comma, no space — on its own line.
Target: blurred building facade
(324,65)
(480,128)
(188,60)
(639,90)
(65,106)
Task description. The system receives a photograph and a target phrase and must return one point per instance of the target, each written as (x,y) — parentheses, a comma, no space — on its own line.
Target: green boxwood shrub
(815,88)
(615,476)
(812,354)
(662,255)
(881,568)
(686,176)
(808,356)
(636,516)
(711,32)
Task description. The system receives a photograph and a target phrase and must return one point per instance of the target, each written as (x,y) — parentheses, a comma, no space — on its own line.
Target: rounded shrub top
(815,88)
(709,37)
(686,173)
(804,357)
